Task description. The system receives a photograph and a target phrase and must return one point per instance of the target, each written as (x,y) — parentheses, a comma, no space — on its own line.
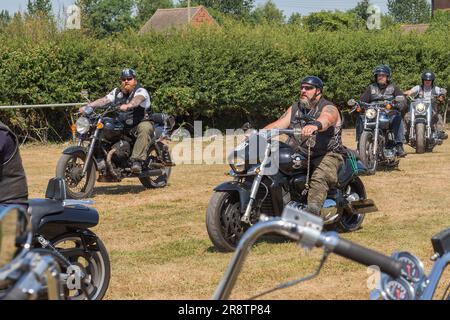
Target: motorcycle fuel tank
(112,130)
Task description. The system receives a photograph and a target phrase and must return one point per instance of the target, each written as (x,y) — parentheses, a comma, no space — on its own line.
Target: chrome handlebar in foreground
(306,229)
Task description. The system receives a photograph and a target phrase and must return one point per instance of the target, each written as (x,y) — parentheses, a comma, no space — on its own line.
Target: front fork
(255,186)
(90,153)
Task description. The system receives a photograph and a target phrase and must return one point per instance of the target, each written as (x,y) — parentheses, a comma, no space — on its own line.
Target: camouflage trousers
(144,134)
(324,177)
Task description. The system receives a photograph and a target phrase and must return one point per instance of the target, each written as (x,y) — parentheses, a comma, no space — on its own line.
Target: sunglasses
(307,88)
(127,79)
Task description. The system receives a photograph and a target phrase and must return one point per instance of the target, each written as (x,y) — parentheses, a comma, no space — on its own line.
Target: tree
(332,21)
(5,18)
(105,17)
(361,9)
(295,19)
(36,7)
(409,11)
(146,8)
(268,13)
(239,8)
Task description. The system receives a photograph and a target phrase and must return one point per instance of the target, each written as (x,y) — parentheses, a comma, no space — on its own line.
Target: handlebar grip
(16,294)
(368,257)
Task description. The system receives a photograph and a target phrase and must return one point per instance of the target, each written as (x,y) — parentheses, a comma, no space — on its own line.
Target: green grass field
(159,247)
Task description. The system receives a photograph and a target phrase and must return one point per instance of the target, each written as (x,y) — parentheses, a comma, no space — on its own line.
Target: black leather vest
(325,141)
(377,94)
(132,117)
(13,182)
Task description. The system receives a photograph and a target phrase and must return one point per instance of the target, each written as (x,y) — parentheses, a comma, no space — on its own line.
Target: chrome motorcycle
(376,145)
(104,145)
(421,134)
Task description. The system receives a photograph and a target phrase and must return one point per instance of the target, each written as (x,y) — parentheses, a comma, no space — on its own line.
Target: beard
(127,88)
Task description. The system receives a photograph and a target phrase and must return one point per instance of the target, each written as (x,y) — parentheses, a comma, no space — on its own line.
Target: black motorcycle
(261,188)
(61,226)
(25,273)
(421,134)
(104,145)
(376,145)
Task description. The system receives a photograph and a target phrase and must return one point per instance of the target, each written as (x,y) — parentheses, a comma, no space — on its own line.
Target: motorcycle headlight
(238,165)
(83,125)
(371,113)
(420,108)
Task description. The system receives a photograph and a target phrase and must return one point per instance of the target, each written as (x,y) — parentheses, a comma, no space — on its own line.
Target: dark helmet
(314,81)
(127,73)
(428,75)
(382,69)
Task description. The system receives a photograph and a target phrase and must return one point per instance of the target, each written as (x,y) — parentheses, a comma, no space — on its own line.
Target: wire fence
(55,105)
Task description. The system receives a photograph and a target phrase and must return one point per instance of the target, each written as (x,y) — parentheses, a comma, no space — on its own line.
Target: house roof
(169,18)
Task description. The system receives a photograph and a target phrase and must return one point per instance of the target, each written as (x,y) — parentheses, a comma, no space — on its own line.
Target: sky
(304,7)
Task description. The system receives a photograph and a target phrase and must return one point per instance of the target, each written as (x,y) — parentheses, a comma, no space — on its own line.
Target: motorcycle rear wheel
(94,263)
(159,181)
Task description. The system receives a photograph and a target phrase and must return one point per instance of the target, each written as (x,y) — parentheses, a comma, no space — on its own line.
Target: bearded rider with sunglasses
(326,153)
(134,102)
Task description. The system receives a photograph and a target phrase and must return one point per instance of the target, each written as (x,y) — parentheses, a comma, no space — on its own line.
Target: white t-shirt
(426,92)
(139,92)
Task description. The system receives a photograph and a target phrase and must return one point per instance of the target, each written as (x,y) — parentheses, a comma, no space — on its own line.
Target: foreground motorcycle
(402,276)
(61,226)
(273,177)
(25,274)
(422,135)
(376,146)
(104,145)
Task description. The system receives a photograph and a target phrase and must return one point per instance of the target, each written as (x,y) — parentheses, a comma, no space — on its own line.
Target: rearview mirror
(351,102)
(14,233)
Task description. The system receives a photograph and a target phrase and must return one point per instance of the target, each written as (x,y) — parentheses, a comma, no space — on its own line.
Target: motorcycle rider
(13,182)
(134,101)
(430,92)
(384,89)
(325,154)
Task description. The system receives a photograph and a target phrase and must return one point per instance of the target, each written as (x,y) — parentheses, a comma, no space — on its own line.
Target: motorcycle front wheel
(366,148)
(223,221)
(70,168)
(420,138)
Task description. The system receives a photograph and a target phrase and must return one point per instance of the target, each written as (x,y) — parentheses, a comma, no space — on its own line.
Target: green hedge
(223,76)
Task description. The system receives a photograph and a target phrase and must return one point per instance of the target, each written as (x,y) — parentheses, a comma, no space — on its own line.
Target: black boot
(136,167)
(400,151)
(442,135)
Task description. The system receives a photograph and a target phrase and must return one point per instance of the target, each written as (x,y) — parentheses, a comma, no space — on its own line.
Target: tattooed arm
(135,102)
(329,117)
(283,122)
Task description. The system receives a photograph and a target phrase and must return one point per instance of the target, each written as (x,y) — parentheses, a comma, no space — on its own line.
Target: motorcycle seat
(39,208)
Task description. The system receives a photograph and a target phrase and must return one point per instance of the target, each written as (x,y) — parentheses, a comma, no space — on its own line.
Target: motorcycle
(259,188)
(104,145)
(61,226)
(376,145)
(422,134)
(24,273)
(402,275)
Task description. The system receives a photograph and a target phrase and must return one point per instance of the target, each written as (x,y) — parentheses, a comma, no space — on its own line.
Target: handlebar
(368,257)
(329,241)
